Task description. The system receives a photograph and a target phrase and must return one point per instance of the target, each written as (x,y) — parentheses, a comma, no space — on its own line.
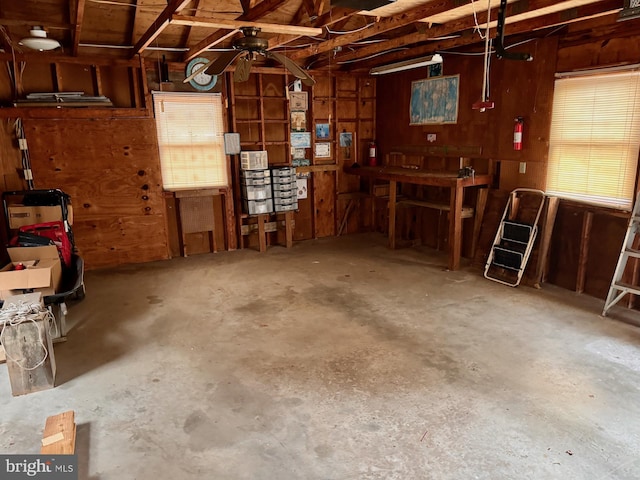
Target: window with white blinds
(190,130)
(595,137)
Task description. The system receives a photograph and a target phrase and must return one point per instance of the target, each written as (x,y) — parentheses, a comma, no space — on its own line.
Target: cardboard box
(19,215)
(43,271)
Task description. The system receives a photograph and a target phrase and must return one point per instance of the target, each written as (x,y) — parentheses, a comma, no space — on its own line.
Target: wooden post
(545,240)
(288,226)
(135,86)
(393,187)
(148,100)
(97,80)
(455,226)
(57,77)
(584,251)
(229,217)
(481,202)
(262,236)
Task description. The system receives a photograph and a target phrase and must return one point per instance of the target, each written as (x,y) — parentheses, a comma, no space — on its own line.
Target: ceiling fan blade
(223,61)
(195,73)
(243,69)
(293,67)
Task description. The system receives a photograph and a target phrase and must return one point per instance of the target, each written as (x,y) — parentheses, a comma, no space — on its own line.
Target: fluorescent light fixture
(406,65)
(39,41)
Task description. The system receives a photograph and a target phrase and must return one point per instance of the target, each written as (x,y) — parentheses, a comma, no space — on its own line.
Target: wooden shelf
(258,121)
(73,112)
(258,97)
(264,143)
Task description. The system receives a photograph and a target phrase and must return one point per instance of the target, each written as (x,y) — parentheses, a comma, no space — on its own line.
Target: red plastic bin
(53,231)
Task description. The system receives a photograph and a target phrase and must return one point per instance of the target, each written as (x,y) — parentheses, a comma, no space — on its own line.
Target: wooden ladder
(618,288)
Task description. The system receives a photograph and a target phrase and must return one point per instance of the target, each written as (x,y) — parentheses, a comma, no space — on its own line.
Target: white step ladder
(514,241)
(619,289)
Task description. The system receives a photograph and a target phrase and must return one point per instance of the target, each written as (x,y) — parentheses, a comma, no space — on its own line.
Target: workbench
(395,175)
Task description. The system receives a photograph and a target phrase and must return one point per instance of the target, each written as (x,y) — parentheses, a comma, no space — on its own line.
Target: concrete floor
(337,359)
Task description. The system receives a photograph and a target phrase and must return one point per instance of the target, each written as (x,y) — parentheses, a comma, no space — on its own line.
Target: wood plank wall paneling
(607,233)
(304,216)
(6,92)
(324,196)
(11,165)
(525,89)
(517,88)
(112,172)
(565,249)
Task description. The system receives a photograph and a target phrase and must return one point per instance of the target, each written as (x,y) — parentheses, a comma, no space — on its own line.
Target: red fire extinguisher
(517,133)
(372,154)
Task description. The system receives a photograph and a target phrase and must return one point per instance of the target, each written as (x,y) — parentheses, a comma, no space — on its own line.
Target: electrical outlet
(523,167)
(431,137)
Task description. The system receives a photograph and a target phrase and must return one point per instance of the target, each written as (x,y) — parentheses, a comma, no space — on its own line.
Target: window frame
(623,188)
(224,168)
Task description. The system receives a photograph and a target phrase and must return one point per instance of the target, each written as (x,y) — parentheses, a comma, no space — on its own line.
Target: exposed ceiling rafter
(237,24)
(189,30)
(519,8)
(246,5)
(79,17)
(11,22)
(263,8)
(158,25)
(385,25)
(551,20)
(337,15)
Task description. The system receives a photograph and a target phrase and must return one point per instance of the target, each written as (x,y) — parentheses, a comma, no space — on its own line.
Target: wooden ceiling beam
(310,7)
(134,24)
(513,10)
(556,19)
(385,25)
(236,24)
(325,20)
(187,34)
(158,25)
(260,10)
(79,17)
(333,15)
(11,22)
(246,5)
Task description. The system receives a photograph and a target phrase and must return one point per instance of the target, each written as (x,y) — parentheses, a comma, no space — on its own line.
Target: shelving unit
(347,103)
(259,112)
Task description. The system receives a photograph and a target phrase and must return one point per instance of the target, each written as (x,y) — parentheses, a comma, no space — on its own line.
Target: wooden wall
(517,88)
(586,240)
(107,158)
(111,169)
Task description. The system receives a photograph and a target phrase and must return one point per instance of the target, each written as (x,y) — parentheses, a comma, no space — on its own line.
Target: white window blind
(595,137)
(190,130)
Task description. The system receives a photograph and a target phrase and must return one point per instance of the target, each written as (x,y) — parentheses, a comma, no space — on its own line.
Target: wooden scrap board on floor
(59,437)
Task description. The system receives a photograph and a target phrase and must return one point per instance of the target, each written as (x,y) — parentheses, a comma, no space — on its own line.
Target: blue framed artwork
(301,139)
(322,131)
(434,101)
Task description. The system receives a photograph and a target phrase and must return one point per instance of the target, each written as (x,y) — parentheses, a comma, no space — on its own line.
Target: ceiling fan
(246,49)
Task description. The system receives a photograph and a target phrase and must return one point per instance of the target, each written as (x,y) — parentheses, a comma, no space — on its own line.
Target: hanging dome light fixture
(39,41)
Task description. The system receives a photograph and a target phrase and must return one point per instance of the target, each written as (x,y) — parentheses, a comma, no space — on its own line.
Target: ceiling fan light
(39,41)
